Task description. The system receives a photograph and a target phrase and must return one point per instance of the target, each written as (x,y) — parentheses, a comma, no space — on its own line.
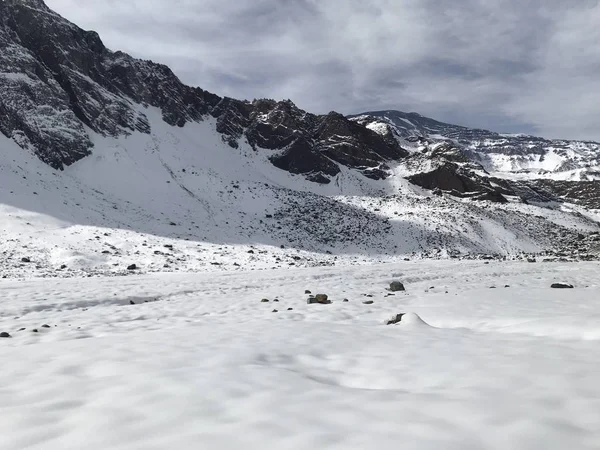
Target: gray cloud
(507,65)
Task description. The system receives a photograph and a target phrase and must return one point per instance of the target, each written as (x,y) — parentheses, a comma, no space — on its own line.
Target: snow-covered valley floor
(167,361)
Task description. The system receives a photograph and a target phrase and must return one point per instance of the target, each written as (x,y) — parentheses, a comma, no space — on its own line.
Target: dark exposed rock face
(445,168)
(57,79)
(585,193)
(561,286)
(446,177)
(308,144)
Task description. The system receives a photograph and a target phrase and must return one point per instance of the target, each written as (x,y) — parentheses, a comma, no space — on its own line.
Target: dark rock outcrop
(396,286)
(459,182)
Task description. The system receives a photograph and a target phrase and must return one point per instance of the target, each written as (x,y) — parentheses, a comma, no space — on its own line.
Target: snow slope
(205,364)
(222,208)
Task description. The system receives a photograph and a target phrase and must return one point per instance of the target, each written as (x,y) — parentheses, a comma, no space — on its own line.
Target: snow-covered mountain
(59,84)
(520,155)
(109,162)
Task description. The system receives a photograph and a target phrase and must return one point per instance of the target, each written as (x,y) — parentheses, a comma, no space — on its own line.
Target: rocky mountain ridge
(58,81)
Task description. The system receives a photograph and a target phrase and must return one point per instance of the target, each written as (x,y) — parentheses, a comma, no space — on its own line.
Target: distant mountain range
(521,155)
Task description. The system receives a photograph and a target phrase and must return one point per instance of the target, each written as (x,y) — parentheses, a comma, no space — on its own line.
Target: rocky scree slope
(57,81)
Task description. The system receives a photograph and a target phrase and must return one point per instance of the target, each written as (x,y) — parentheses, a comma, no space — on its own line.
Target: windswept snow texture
(197,361)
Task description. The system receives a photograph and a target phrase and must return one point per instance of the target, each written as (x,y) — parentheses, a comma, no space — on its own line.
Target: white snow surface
(197,361)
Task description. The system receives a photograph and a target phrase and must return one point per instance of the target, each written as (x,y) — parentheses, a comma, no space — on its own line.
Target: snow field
(205,364)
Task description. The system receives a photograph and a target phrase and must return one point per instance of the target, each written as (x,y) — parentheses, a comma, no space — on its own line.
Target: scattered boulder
(265,300)
(290,309)
(395,319)
(322,299)
(562,286)
(45,326)
(307,292)
(368,302)
(396,286)
(4,334)
(35,330)
(25,259)
(346,300)
(275,311)
(131,302)
(132,267)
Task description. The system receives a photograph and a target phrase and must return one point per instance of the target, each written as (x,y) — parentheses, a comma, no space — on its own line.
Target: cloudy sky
(507,65)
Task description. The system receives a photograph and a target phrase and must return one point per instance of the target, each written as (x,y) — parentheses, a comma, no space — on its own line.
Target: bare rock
(395,319)
(322,299)
(396,286)
(562,286)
